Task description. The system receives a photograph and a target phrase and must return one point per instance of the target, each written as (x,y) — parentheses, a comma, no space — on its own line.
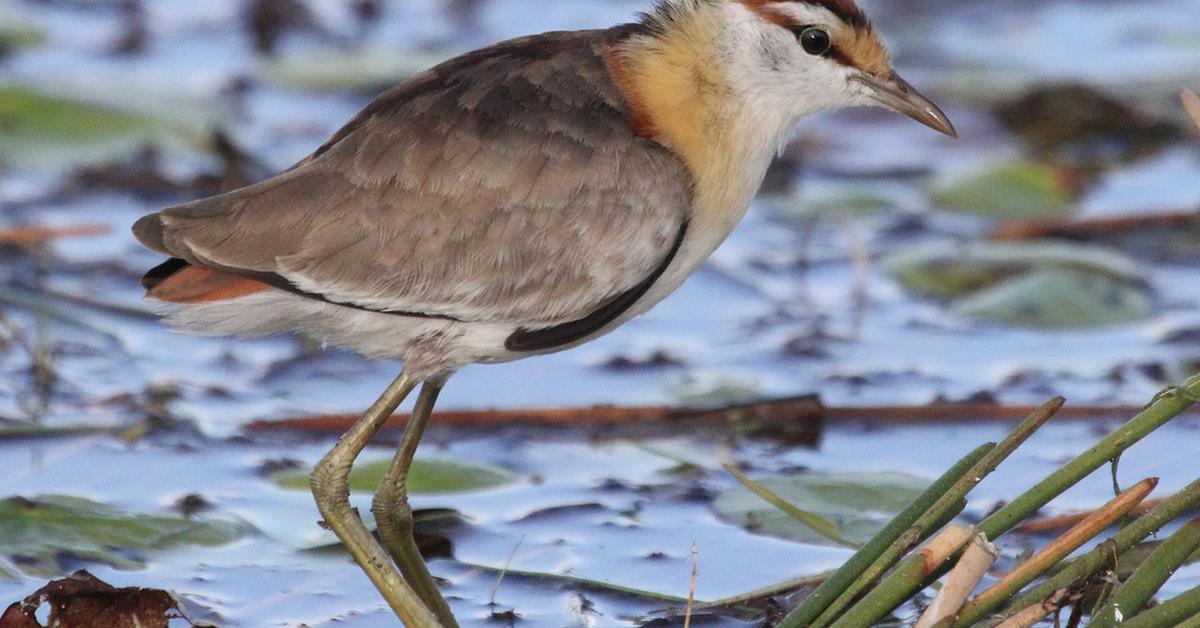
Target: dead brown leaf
(83,601)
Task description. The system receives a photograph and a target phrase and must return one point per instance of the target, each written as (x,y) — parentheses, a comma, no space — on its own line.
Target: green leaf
(1019,191)
(35,533)
(16,35)
(425,477)
(857,504)
(21,431)
(1059,298)
(948,269)
(715,392)
(351,71)
(38,128)
(811,520)
(851,202)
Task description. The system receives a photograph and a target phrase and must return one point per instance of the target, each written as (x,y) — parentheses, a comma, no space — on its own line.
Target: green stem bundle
(851,571)
(834,603)
(1149,577)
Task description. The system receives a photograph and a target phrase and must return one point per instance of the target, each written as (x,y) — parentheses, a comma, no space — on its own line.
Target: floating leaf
(846,203)
(37,128)
(425,477)
(858,504)
(352,71)
(35,533)
(15,35)
(1020,191)
(947,269)
(1059,297)
(811,520)
(715,392)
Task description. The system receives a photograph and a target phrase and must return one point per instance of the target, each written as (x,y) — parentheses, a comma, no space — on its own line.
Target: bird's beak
(895,93)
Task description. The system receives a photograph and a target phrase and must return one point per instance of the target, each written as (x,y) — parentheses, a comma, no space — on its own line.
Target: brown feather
(149,231)
(504,185)
(194,284)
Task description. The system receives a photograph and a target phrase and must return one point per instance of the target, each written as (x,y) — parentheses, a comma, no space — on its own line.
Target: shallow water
(617,514)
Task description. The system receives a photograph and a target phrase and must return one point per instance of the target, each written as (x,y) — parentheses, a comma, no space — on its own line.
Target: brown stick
(33,236)
(792,411)
(1030,616)
(1094,227)
(1047,525)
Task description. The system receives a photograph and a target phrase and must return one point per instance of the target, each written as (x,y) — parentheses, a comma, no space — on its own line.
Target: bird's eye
(815,41)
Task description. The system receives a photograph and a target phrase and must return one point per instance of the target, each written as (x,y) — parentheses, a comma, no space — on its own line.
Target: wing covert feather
(505,185)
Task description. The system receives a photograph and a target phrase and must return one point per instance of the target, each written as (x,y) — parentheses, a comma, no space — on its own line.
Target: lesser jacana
(517,200)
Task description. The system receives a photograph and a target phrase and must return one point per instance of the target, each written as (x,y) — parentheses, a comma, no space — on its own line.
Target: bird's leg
(394,516)
(331,488)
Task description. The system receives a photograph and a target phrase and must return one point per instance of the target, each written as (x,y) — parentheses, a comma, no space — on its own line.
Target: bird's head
(785,59)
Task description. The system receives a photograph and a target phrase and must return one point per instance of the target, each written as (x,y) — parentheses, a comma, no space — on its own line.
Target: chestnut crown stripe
(858,47)
(845,10)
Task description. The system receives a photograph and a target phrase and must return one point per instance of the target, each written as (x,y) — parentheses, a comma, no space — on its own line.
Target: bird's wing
(504,185)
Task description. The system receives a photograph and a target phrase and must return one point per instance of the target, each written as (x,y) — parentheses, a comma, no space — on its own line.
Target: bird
(517,200)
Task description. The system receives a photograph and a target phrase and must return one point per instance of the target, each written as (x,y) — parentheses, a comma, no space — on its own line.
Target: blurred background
(1052,249)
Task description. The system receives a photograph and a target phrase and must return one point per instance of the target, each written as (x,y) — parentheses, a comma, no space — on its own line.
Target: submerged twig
(813,521)
(586,583)
(687,618)
(504,572)
(769,591)
(39,307)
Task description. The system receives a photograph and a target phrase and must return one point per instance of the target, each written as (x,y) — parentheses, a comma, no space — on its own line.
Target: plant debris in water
(43,534)
(83,601)
(1075,123)
(1020,191)
(858,504)
(426,476)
